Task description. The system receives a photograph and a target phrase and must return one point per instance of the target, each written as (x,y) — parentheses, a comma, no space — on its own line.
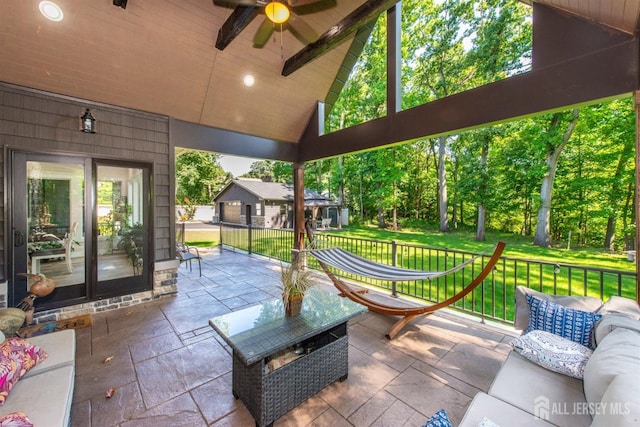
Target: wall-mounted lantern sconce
(87,122)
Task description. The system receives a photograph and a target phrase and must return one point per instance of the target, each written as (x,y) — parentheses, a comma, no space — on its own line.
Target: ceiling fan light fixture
(277,12)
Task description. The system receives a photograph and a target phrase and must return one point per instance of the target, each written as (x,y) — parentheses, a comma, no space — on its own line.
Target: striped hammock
(350,263)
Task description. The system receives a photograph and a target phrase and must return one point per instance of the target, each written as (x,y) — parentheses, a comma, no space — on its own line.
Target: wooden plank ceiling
(622,15)
(159,56)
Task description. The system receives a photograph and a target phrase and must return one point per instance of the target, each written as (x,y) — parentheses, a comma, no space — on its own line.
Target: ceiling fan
(279,15)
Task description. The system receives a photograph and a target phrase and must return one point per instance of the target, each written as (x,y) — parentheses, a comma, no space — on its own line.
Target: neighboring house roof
(276,191)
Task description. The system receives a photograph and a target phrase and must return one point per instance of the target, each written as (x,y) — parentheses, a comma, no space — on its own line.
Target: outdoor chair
(188,254)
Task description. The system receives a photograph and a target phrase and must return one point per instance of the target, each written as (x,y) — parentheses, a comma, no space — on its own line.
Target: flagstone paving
(169,368)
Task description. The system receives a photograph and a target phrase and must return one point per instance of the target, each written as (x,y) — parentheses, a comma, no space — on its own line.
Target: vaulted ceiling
(159,56)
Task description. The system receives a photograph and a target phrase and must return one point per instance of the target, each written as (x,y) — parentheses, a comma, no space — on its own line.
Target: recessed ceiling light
(249,80)
(51,11)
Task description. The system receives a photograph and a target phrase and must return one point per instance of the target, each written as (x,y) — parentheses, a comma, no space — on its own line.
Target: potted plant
(294,283)
(131,242)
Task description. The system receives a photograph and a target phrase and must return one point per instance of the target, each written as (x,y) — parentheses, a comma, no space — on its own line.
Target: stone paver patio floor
(169,368)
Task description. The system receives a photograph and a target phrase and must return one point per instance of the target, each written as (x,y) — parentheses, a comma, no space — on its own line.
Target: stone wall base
(165,284)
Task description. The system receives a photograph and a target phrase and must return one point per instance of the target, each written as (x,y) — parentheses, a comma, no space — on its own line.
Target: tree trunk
(381,223)
(395,217)
(454,202)
(442,184)
(629,238)
(610,234)
(481,232)
(542,237)
(615,194)
(482,209)
(340,189)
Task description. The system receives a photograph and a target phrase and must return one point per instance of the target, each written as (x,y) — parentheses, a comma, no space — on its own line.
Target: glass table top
(261,330)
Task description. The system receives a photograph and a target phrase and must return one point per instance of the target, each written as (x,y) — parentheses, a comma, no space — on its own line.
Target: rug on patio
(54,326)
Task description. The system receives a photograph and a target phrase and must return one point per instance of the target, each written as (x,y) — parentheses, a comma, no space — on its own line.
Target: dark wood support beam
(333,36)
(607,73)
(298,211)
(201,137)
(637,105)
(394,59)
(237,21)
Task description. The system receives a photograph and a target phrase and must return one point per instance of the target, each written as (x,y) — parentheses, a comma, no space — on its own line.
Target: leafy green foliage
(450,46)
(199,176)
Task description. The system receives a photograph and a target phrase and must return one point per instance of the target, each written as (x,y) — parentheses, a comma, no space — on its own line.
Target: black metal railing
(494,299)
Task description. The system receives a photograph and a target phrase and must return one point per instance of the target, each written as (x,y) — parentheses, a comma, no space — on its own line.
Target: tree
(199,176)
(559,130)
(282,172)
(262,169)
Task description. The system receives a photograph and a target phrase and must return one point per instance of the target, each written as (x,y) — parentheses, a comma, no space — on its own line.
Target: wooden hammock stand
(408,313)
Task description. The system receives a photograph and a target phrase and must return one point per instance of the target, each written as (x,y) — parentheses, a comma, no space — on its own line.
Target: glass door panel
(55,221)
(122,249)
(47,217)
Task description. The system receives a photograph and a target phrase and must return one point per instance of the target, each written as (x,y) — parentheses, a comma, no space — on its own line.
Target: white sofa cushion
(45,398)
(499,412)
(526,385)
(577,302)
(617,354)
(612,321)
(621,305)
(620,405)
(60,348)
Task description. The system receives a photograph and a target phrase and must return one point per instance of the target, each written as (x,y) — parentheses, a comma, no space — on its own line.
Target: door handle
(18,238)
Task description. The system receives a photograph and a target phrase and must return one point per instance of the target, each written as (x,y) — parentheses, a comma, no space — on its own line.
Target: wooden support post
(394,60)
(637,105)
(298,212)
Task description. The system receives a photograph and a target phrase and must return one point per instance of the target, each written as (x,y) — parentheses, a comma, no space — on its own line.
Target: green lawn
(517,246)
(578,271)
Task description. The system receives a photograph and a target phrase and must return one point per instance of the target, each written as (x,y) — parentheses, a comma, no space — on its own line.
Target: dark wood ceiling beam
(233,26)
(608,73)
(333,36)
(200,137)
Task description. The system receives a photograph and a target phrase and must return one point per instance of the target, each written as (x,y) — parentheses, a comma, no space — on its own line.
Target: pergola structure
(159,56)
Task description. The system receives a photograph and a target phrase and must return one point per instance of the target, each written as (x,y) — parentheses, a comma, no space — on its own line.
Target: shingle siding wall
(236,193)
(42,123)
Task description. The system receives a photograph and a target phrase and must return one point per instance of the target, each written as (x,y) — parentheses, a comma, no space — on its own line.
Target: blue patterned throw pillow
(439,419)
(553,352)
(575,325)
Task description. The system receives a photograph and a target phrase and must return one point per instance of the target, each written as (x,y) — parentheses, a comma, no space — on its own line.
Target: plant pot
(293,306)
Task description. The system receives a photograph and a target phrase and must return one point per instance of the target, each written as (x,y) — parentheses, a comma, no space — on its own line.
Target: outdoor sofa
(44,394)
(525,393)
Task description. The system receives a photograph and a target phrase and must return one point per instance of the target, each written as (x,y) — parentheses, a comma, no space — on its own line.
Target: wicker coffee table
(278,361)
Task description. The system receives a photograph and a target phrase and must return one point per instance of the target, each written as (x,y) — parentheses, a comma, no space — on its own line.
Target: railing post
(249,239)
(394,262)
(220,233)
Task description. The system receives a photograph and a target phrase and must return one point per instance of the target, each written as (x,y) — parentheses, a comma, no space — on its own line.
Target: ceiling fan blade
(263,34)
(301,30)
(237,21)
(234,3)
